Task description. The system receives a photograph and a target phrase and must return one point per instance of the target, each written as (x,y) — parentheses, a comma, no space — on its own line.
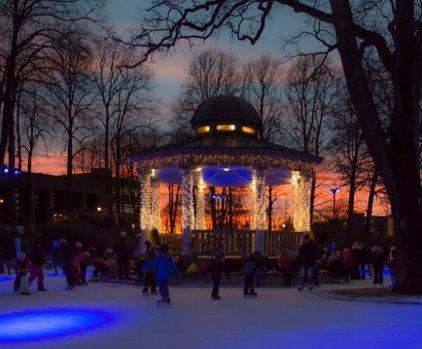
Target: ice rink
(117,316)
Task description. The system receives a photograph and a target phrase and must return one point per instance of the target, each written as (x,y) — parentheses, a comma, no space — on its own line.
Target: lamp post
(334,191)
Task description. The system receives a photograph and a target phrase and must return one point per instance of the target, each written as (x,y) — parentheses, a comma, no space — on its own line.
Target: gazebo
(226,150)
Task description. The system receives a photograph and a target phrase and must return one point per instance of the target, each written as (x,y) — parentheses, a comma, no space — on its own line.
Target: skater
(164,268)
(216,268)
(392,265)
(150,281)
(36,271)
(307,258)
(378,261)
(55,255)
(123,256)
(285,264)
(67,255)
(249,271)
(21,283)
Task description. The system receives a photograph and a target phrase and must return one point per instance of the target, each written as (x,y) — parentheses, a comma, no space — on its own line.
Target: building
(95,198)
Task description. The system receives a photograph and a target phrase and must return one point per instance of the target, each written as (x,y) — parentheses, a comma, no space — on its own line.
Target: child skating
(21,284)
(150,281)
(164,268)
(250,270)
(216,268)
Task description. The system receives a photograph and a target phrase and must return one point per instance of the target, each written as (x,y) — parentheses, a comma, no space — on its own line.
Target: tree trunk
(351,204)
(69,179)
(371,196)
(18,132)
(30,213)
(9,100)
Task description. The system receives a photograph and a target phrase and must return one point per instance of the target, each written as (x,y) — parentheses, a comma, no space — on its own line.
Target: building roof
(227,109)
(225,149)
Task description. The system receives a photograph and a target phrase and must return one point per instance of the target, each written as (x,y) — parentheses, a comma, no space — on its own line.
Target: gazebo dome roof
(226,109)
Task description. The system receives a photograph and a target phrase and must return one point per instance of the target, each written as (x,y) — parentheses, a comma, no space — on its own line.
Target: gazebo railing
(234,242)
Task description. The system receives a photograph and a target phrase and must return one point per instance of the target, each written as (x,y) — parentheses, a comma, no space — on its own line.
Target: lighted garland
(155,221)
(200,203)
(260,201)
(248,160)
(302,192)
(187,200)
(145,204)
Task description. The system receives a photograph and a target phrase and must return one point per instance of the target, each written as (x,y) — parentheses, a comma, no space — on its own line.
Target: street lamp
(99,209)
(334,191)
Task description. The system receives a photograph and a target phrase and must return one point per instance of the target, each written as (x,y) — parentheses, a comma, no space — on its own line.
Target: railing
(234,242)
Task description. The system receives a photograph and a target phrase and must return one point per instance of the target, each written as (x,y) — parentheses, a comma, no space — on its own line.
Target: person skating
(392,265)
(164,268)
(123,251)
(249,275)
(378,263)
(36,271)
(216,268)
(285,264)
(55,257)
(67,255)
(21,283)
(150,281)
(308,253)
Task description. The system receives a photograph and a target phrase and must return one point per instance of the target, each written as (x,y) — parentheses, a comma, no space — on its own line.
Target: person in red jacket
(22,266)
(285,264)
(36,271)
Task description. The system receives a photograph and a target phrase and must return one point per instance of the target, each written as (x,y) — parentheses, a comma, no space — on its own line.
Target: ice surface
(278,318)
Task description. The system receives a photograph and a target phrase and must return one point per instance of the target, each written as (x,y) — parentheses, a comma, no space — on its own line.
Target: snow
(117,316)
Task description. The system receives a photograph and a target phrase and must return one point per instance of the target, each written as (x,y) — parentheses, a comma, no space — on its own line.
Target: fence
(234,242)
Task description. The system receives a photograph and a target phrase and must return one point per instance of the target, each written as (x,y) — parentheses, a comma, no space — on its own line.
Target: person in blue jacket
(164,268)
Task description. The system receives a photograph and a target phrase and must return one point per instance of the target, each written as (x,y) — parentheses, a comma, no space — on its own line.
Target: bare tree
(211,73)
(106,75)
(27,27)
(35,127)
(310,95)
(348,148)
(70,96)
(132,114)
(261,85)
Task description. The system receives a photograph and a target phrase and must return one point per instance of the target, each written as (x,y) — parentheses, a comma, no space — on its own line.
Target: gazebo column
(258,209)
(145,209)
(302,193)
(155,221)
(199,202)
(187,209)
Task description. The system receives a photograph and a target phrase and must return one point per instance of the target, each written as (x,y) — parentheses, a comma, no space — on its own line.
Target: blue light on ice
(36,325)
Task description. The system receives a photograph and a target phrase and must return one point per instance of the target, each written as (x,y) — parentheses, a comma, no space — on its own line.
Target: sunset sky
(170,72)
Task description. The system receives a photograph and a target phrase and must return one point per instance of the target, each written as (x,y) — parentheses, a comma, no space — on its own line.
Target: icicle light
(200,203)
(145,205)
(302,192)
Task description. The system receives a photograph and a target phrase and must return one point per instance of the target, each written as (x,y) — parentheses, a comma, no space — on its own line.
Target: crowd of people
(155,266)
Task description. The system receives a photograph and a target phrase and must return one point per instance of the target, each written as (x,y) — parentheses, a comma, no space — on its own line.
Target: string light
(302,192)
(200,203)
(199,160)
(187,200)
(155,221)
(258,201)
(145,204)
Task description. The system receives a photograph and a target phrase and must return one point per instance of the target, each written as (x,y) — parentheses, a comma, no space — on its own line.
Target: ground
(118,316)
